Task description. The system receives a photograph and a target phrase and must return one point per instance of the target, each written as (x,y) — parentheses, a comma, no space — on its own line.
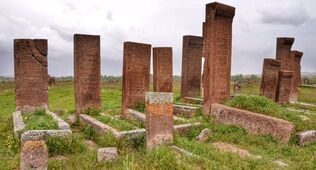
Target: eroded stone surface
(163,74)
(159,118)
(226,147)
(87,72)
(296,68)
(187,111)
(204,135)
(62,125)
(34,155)
(284,86)
(136,74)
(270,76)
(191,66)
(107,154)
(253,122)
(30,73)
(217,33)
(306,137)
(97,125)
(34,135)
(284,45)
(18,124)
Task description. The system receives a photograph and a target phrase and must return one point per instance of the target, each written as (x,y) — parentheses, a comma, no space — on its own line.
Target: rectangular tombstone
(217,53)
(284,86)
(191,66)
(30,72)
(296,68)
(269,79)
(87,72)
(163,76)
(159,118)
(52,81)
(136,75)
(284,45)
(254,123)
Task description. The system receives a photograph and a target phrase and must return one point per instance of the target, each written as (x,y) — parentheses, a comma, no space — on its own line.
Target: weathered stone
(306,137)
(136,74)
(62,125)
(90,144)
(18,124)
(226,147)
(97,125)
(71,119)
(185,127)
(253,122)
(217,33)
(284,45)
(204,135)
(191,66)
(187,111)
(87,72)
(34,135)
(296,68)
(51,81)
(163,74)
(270,76)
(107,154)
(142,117)
(280,163)
(34,155)
(284,86)
(159,118)
(193,100)
(30,70)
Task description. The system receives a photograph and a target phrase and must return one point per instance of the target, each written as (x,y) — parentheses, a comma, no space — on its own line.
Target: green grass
(39,120)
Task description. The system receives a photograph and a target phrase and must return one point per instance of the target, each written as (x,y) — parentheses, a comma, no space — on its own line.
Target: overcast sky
(256,25)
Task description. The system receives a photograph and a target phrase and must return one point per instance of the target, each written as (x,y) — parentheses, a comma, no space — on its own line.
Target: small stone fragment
(306,137)
(226,147)
(281,163)
(71,119)
(107,154)
(204,135)
(34,155)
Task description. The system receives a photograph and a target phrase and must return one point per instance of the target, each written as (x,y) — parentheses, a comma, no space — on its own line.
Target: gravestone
(296,68)
(34,155)
(136,75)
(159,118)
(284,86)
(87,72)
(52,81)
(163,76)
(191,66)
(217,32)
(284,45)
(269,79)
(30,72)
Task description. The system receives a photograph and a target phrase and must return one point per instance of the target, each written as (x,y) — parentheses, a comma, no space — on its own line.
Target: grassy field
(133,155)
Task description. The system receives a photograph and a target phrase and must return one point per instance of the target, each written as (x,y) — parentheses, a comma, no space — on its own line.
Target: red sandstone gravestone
(296,68)
(87,72)
(159,118)
(217,30)
(191,66)
(284,86)
(269,80)
(284,45)
(30,71)
(136,74)
(162,62)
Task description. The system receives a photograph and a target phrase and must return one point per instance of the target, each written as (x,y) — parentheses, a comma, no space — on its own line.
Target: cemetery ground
(81,151)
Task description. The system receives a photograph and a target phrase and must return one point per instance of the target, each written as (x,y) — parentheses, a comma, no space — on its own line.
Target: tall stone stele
(284,86)
(217,32)
(296,68)
(87,72)
(162,62)
(159,119)
(191,66)
(269,79)
(283,49)
(136,75)
(30,73)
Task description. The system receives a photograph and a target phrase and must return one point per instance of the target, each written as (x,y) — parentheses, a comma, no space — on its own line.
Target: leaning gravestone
(30,69)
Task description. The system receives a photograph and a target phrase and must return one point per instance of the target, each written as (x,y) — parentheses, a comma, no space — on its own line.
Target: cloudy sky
(158,22)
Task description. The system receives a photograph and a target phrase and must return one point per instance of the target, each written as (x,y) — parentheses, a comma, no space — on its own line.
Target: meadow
(81,154)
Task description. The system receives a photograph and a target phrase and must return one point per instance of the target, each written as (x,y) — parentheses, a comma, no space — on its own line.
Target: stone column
(162,62)
(136,75)
(284,86)
(269,79)
(217,30)
(284,45)
(191,66)
(31,75)
(296,68)
(159,119)
(87,72)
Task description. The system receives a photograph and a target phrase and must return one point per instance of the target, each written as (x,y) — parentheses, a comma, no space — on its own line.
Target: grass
(39,120)
(133,153)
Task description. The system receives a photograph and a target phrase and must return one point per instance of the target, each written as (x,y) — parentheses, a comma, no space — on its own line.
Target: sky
(256,26)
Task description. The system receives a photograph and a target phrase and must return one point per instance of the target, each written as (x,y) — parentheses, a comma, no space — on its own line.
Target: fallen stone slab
(186,111)
(34,155)
(300,111)
(35,135)
(226,147)
(304,118)
(62,125)
(97,125)
(18,124)
(184,127)
(280,163)
(306,137)
(204,135)
(193,100)
(304,104)
(107,154)
(142,117)
(254,123)
(184,152)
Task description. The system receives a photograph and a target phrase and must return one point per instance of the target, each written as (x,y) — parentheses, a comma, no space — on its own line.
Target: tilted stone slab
(193,100)
(142,117)
(62,125)
(97,125)
(187,111)
(306,137)
(253,122)
(34,135)
(18,124)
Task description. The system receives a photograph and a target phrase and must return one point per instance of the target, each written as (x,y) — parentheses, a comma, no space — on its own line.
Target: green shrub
(92,112)
(64,146)
(140,107)
(89,133)
(39,120)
